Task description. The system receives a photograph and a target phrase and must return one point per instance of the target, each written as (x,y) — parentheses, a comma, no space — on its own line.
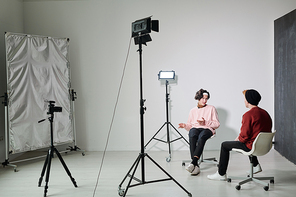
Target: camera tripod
(52,150)
(142,155)
(167,123)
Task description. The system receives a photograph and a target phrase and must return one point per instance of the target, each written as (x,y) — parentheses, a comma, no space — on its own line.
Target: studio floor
(85,170)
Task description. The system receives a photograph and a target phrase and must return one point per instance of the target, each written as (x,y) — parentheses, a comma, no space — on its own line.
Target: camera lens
(57,109)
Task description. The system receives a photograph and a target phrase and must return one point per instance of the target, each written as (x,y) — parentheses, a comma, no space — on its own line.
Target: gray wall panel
(285,85)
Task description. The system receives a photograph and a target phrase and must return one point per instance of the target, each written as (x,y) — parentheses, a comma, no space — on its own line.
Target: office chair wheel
(183,163)
(238,187)
(229,180)
(271,181)
(265,188)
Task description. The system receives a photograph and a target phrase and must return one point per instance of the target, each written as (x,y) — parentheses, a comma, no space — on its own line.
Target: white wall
(222,46)
(11,20)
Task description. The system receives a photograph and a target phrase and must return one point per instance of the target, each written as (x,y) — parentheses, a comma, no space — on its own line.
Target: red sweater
(254,121)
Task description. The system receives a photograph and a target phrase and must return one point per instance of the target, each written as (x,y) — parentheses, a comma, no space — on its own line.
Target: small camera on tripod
(52,108)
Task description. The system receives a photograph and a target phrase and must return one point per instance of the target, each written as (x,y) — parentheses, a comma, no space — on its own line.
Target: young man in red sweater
(254,121)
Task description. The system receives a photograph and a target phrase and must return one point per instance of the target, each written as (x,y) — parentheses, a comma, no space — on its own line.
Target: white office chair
(212,160)
(261,146)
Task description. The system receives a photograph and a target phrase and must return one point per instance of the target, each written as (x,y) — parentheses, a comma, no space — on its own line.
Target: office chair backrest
(262,143)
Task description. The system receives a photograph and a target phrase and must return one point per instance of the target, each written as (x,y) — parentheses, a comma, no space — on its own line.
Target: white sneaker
(190,168)
(217,177)
(256,170)
(196,171)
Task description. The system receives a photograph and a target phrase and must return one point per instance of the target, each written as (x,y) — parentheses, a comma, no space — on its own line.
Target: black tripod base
(47,165)
(133,169)
(168,141)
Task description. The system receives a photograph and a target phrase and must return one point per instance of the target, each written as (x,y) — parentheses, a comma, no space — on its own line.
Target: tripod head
(51,109)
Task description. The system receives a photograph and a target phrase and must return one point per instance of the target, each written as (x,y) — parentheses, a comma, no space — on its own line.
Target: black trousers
(226,147)
(197,140)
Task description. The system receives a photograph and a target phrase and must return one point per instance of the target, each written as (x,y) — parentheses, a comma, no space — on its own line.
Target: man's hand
(201,122)
(182,125)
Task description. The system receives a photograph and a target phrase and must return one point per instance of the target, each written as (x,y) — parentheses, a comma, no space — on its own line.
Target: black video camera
(52,108)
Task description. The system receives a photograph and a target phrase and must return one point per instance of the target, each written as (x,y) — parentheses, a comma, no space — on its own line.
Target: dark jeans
(226,147)
(197,140)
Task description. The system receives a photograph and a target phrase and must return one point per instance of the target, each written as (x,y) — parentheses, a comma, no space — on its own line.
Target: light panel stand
(167,124)
(142,154)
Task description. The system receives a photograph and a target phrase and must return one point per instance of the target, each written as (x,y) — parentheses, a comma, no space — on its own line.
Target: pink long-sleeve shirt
(209,113)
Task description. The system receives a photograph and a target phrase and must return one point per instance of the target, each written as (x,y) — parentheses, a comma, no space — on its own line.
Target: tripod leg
(155,134)
(49,157)
(122,192)
(43,170)
(65,167)
(179,133)
(168,175)
(128,173)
